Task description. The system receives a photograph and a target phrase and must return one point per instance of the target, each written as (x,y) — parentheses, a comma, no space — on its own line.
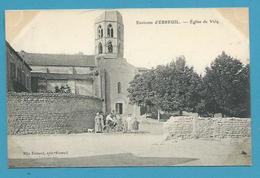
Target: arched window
(110,47)
(119,87)
(100,31)
(110,32)
(100,48)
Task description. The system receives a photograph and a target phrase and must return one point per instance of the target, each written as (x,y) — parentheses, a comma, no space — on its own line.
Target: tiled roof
(75,60)
(113,16)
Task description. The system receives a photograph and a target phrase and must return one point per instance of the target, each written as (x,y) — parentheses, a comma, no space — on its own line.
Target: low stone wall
(50,113)
(198,127)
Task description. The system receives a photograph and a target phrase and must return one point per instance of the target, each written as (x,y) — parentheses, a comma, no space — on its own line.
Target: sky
(145,45)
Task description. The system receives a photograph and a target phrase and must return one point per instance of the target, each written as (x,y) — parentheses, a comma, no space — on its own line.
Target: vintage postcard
(128,87)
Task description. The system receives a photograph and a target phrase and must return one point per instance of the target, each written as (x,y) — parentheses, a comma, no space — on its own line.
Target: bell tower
(109,38)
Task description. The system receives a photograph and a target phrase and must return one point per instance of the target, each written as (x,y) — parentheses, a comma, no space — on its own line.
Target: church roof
(110,16)
(75,60)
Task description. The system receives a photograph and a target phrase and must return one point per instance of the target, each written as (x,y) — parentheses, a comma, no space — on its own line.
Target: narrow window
(110,47)
(100,48)
(100,31)
(110,32)
(119,108)
(27,81)
(119,87)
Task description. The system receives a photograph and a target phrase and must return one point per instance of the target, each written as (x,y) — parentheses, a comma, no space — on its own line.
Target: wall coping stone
(62,95)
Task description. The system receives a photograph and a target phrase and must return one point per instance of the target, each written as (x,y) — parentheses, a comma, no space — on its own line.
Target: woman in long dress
(98,123)
(135,125)
(129,123)
(120,125)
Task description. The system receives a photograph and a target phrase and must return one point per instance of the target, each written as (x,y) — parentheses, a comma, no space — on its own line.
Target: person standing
(98,123)
(103,118)
(135,125)
(124,124)
(129,122)
(119,123)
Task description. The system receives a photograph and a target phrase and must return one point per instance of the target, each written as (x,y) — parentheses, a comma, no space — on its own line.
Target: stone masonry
(205,128)
(50,113)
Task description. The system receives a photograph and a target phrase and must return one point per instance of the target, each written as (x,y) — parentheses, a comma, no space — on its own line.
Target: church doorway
(119,108)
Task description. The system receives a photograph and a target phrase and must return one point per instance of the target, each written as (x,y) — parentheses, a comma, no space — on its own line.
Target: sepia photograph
(128,87)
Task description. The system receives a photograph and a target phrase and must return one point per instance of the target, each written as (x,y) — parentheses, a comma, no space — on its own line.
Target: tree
(244,94)
(227,87)
(207,105)
(181,87)
(141,91)
(171,87)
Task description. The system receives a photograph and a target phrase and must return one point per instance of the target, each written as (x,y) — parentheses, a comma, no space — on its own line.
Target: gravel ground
(147,148)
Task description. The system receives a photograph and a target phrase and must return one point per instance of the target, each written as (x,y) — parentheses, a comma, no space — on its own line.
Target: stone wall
(112,68)
(50,113)
(198,127)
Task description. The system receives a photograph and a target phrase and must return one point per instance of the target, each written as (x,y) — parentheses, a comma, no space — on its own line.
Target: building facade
(106,74)
(115,71)
(18,72)
(52,71)
(109,38)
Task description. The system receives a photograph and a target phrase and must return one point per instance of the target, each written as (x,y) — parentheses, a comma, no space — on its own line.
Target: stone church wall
(205,128)
(119,70)
(49,113)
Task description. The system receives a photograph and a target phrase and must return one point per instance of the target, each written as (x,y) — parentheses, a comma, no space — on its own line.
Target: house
(18,71)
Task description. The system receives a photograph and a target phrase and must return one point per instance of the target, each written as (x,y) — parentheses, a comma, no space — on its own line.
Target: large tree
(141,91)
(171,87)
(226,87)
(182,87)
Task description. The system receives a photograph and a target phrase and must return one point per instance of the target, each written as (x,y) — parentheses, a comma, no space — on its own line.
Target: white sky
(72,31)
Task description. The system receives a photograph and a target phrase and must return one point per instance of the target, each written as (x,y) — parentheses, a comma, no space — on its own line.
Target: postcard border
(136,172)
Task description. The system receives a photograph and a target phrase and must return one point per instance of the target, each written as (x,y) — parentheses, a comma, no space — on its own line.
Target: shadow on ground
(123,159)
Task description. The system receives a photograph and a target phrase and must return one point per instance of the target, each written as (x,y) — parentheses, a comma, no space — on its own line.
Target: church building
(106,74)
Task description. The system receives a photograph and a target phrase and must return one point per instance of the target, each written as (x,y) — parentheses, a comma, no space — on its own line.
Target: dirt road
(146,148)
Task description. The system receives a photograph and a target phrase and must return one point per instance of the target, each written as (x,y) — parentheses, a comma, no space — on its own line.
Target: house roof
(75,60)
(17,54)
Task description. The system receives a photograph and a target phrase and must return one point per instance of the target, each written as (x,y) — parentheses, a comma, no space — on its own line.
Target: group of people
(114,122)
